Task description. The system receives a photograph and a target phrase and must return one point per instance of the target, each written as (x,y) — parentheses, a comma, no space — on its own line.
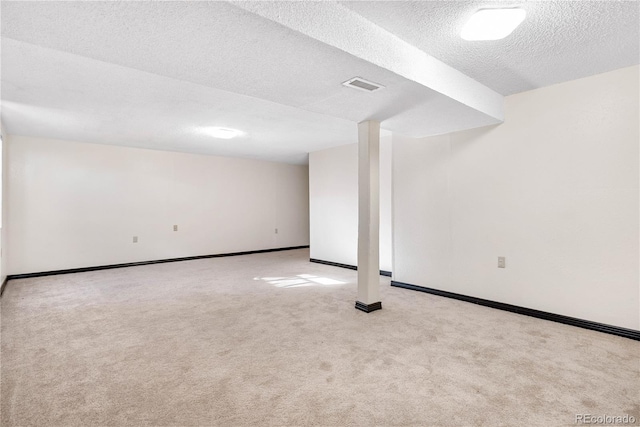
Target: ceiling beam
(337,26)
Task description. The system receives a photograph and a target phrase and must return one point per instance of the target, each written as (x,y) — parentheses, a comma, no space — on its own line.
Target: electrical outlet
(175,228)
(276,231)
(502,262)
(135,239)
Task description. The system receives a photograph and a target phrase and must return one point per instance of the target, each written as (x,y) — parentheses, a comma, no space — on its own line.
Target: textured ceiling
(558,41)
(219,46)
(149,74)
(337,26)
(65,96)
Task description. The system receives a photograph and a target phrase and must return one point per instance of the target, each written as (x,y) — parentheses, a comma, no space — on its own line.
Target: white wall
(76,205)
(4,220)
(554,189)
(333,200)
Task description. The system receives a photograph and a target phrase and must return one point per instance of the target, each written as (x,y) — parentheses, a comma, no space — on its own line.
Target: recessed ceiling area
(150,74)
(60,95)
(144,73)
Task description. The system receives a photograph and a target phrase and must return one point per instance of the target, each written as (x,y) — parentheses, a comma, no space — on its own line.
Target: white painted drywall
(386,226)
(333,201)
(554,189)
(76,205)
(4,195)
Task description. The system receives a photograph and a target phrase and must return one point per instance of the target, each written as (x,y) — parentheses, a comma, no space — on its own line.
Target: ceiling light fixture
(222,133)
(492,24)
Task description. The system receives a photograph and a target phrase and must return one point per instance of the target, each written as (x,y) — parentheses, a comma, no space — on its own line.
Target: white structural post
(368,216)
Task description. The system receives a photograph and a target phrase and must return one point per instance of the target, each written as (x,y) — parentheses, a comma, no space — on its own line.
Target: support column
(368,217)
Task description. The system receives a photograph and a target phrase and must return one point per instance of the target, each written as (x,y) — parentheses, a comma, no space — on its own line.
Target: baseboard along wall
(135,264)
(581,323)
(350,267)
(3,285)
(586,324)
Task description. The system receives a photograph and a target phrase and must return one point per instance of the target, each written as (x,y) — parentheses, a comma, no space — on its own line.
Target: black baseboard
(3,285)
(136,264)
(586,324)
(368,308)
(350,267)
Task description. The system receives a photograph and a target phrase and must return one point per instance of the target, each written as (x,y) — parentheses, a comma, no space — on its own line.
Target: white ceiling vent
(362,84)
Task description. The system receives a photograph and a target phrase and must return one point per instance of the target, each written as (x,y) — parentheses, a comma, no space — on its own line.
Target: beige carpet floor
(272,339)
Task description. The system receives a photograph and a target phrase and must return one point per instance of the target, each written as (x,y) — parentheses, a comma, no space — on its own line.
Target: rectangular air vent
(362,84)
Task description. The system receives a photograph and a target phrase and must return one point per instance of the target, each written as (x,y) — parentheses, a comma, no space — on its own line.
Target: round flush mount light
(492,24)
(222,133)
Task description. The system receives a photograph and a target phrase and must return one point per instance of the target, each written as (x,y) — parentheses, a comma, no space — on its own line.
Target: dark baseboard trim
(586,324)
(350,267)
(368,308)
(136,264)
(334,264)
(3,285)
